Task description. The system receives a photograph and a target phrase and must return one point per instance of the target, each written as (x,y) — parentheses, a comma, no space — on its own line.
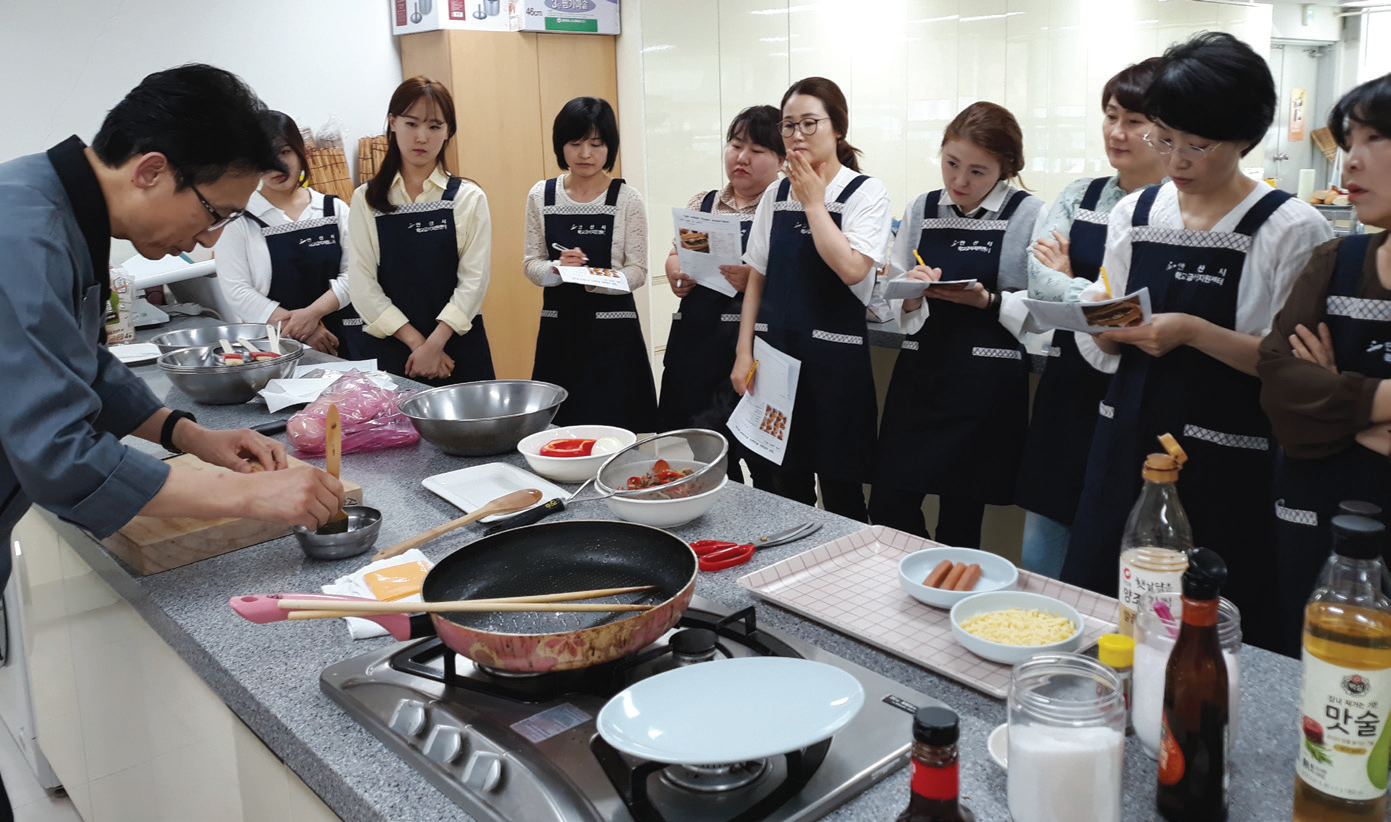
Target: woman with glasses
(705,330)
(421,242)
(1218,252)
(957,407)
(817,238)
(1325,368)
(590,341)
(1069,241)
(285,263)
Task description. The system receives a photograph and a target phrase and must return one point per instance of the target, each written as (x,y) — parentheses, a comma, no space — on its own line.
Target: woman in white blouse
(286,264)
(421,244)
(1218,252)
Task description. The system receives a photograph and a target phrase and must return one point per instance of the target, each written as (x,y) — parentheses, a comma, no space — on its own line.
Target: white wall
(1287,22)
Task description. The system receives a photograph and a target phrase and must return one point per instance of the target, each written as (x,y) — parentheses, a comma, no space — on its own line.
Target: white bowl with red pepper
(573,453)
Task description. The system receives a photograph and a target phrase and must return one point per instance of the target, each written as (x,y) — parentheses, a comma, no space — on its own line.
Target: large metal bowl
(488,417)
(199,373)
(207,335)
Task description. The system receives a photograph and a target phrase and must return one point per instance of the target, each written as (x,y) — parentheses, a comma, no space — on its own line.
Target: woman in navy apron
(421,242)
(1326,366)
(817,238)
(1068,246)
(957,406)
(286,263)
(705,329)
(1218,253)
(590,342)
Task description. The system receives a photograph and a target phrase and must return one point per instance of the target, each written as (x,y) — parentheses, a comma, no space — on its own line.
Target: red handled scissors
(717,555)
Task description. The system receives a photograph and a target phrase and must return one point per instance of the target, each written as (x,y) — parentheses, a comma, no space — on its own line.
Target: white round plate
(998,746)
(731,710)
(136,353)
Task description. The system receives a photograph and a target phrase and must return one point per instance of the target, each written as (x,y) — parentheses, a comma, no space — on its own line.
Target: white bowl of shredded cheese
(1011,626)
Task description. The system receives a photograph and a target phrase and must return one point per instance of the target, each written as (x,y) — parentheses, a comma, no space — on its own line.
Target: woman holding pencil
(1218,252)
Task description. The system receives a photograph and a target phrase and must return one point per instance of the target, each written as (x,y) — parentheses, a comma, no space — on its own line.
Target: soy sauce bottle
(936,779)
(1193,741)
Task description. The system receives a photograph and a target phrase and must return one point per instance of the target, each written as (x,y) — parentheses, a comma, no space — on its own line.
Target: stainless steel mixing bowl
(334,541)
(208,335)
(199,373)
(487,417)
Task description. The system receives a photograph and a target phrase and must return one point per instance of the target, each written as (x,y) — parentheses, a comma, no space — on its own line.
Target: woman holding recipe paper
(705,330)
(817,238)
(958,403)
(590,342)
(1069,242)
(1218,252)
(421,243)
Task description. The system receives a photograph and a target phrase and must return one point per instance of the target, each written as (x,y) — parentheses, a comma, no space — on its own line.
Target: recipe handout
(763,418)
(1090,318)
(598,277)
(704,242)
(912,289)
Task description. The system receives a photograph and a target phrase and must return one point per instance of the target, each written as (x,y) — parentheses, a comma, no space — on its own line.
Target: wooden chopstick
(333,604)
(459,606)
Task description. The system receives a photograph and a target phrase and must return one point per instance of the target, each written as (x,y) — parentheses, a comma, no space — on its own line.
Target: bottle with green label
(1340,774)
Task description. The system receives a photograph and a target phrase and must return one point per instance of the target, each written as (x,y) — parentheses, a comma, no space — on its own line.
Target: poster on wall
(1298,99)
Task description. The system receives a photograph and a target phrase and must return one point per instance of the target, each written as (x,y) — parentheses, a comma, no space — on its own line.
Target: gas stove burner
(693,645)
(509,675)
(714,778)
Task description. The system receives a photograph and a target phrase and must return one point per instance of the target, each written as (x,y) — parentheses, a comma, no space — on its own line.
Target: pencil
(749,379)
(1106,281)
(920,258)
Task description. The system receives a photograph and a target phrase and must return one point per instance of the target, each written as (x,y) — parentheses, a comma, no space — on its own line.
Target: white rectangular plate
(472,488)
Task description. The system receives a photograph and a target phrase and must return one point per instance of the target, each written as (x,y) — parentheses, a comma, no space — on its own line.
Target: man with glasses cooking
(173,163)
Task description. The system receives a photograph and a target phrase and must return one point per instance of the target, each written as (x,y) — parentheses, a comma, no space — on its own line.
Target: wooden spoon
(333,452)
(506,504)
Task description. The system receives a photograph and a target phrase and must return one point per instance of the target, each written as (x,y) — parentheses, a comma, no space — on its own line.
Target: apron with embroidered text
(1307,492)
(1212,409)
(1065,402)
(418,270)
(700,352)
(807,312)
(305,257)
(957,406)
(591,344)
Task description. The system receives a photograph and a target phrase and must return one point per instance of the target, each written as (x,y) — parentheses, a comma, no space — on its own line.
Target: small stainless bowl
(358,538)
(487,417)
(207,335)
(199,373)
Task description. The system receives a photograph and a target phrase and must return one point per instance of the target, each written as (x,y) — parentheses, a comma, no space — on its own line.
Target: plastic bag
(369,413)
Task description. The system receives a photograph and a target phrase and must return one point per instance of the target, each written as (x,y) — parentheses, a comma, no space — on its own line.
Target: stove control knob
(444,744)
(484,771)
(409,717)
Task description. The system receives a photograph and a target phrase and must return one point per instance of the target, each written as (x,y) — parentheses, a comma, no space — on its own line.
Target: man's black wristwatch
(166,434)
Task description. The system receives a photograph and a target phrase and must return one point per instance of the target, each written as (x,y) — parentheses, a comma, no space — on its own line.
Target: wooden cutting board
(154,544)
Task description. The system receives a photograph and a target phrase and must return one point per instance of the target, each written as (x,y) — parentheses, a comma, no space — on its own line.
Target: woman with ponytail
(817,238)
(286,263)
(958,404)
(421,246)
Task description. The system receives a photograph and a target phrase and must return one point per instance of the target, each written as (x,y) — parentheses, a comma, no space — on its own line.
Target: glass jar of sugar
(1156,629)
(1066,740)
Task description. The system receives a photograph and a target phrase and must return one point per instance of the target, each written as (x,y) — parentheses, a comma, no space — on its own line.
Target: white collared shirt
(243,258)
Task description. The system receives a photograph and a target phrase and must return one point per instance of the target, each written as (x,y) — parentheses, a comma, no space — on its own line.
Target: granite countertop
(268,674)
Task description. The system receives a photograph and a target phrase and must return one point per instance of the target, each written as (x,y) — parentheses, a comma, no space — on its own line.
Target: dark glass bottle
(1193,743)
(936,779)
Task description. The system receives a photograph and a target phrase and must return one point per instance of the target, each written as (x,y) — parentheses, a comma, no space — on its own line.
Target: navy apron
(591,344)
(1065,402)
(305,257)
(809,313)
(700,352)
(958,403)
(1213,410)
(1307,492)
(418,270)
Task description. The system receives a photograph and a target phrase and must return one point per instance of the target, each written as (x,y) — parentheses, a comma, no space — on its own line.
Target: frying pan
(546,558)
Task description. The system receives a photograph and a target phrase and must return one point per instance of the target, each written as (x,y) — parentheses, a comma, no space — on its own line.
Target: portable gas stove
(510,747)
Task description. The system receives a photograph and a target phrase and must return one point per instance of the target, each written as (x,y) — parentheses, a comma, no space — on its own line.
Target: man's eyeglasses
(219,221)
(1166,147)
(807,126)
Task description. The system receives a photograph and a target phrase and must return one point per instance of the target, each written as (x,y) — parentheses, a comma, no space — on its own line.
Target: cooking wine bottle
(1157,537)
(1193,742)
(1340,775)
(936,779)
